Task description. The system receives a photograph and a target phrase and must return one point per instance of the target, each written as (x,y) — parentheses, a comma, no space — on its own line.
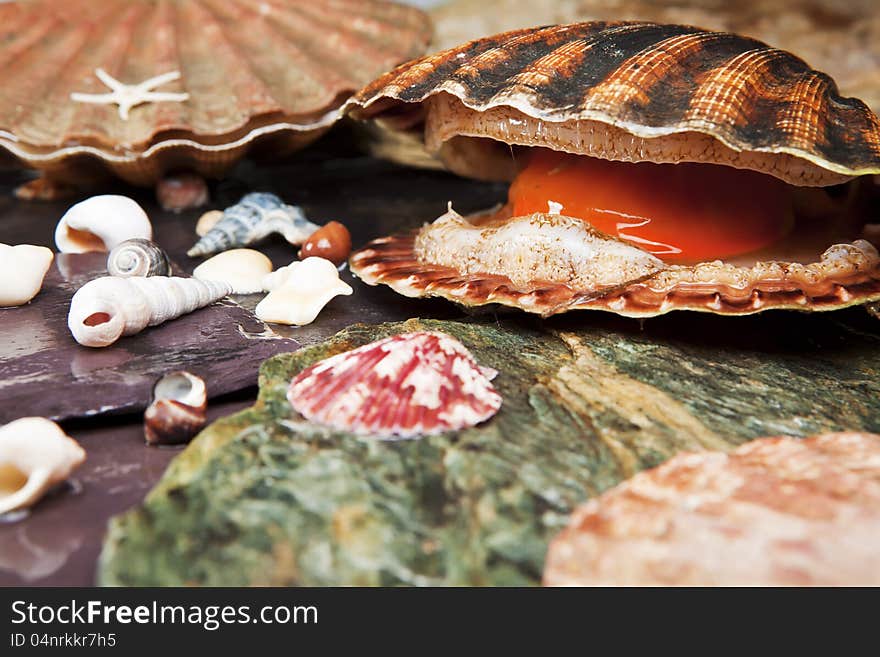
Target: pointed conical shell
(256,216)
(107,308)
(408,385)
(632,92)
(254,71)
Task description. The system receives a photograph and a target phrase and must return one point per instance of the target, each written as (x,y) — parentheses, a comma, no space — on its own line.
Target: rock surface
(775,512)
(264,497)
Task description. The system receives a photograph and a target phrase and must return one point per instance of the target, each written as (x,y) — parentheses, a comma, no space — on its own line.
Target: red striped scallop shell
(253,71)
(408,385)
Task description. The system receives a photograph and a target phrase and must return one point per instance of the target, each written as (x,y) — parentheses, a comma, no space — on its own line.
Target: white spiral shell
(107,308)
(138,257)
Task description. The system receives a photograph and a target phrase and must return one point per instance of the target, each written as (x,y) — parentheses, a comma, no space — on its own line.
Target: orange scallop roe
(679,212)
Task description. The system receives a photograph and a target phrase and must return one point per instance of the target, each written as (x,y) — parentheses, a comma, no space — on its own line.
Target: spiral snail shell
(105,309)
(138,257)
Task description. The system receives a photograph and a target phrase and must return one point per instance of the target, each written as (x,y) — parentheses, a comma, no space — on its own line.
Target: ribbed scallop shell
(844,275)
(640,91)
(774,512)
(408,385)
(251,69)
(634,92)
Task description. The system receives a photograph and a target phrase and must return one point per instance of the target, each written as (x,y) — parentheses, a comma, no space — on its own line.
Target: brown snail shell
(332,241)
(633,92)
(269,74)
(177,412)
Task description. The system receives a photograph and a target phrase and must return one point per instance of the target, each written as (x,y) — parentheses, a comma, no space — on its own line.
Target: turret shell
(105,309)
(256,216)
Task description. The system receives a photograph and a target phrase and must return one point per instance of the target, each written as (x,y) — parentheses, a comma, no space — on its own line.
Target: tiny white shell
(300,292)
(35,455)
(100,223)
(243,269)
(22,270)
(105,309)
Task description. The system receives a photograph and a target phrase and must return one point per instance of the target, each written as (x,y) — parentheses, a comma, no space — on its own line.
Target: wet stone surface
(264,497)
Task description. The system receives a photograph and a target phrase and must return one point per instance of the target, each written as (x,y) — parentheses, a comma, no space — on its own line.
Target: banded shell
(218,76)
(774,512)
(105,309)
(633,92)
(178,410)
(138,257)
(256,216)
(408,385)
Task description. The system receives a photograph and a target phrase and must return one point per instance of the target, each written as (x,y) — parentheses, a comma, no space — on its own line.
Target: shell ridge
(416,21)
(111,59)
(839,152)
(51,76)
(241,89)
(306,67)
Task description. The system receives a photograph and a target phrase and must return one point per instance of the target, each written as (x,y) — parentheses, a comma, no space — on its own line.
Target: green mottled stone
(263,497)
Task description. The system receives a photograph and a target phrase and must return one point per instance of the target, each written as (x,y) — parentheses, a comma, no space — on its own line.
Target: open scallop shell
(634,92)
(231,73)
(408,385)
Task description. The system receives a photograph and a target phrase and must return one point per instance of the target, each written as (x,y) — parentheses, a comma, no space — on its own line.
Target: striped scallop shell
(252,70)
(661,93)
(633,92)
(409,385)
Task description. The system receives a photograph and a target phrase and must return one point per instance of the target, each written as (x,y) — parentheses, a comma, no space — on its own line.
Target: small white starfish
(130,95)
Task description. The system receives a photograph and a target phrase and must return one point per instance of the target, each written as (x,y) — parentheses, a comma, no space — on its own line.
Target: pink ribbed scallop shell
(408,385)
(253,70)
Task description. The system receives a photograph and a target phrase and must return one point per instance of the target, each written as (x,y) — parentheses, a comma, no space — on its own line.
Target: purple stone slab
(44,371)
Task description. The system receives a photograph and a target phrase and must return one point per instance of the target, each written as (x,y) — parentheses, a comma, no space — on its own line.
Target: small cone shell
(107,308)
